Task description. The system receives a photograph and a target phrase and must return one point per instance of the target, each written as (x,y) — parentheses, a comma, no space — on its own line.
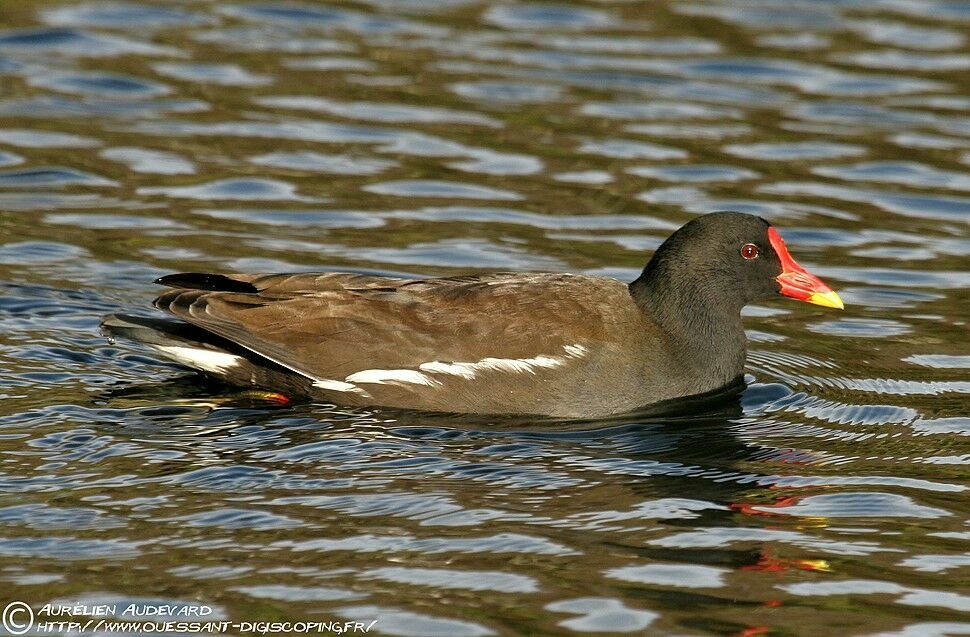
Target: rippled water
(425,138)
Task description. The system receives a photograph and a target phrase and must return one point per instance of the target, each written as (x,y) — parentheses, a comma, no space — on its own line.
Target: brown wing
(328,326)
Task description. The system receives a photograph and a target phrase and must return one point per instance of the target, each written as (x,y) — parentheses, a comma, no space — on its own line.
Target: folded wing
(336,325)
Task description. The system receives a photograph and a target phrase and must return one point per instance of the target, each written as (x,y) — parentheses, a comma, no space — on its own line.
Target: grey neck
(704,331)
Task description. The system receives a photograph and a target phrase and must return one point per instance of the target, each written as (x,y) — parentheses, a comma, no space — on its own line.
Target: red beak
(796,281)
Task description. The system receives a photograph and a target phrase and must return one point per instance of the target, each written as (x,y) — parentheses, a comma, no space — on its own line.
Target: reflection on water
(419,138)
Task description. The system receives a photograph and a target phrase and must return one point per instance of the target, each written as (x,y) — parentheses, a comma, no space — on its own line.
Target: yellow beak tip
(827,299)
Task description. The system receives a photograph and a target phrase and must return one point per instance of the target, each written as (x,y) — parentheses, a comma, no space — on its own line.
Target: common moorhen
(563,345)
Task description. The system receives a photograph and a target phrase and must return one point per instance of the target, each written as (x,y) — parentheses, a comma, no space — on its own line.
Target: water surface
(436,138)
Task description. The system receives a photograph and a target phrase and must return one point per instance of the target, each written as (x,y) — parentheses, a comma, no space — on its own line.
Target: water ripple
(100,84)
(438,188)
(220,74)
(602,615)
(51,177)
(459,579)
(694,173)
(379,112)
(546,16)
(123,15)
(145,160)
(686,575)
(328,17)
(499,543)
(76,43)
(236,188)
(859,504)
(26,138)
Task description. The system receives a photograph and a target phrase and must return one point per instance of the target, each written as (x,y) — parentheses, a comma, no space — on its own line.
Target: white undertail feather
(206,360)
(338,385)
(391,376)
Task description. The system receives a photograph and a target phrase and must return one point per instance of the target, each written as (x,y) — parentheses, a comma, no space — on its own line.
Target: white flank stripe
(515,365)
(338,385)
(465,370)
(575,351)
(390,376)
(468,371)
(204,359)
(520,364)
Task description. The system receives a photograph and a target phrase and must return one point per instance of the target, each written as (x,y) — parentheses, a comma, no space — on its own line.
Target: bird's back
(556,344)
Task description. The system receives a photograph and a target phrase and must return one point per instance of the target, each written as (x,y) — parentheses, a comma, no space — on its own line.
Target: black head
(727,260)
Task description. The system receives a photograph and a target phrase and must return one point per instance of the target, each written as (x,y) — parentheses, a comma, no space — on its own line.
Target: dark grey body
(562,345)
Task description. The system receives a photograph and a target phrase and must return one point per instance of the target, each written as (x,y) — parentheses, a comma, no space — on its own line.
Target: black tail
(205,352)
(157,331)
(207,282)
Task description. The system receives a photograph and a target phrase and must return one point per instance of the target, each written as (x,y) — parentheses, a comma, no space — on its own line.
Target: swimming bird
(554,344)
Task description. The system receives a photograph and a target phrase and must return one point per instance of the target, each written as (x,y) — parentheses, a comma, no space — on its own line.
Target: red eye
(749,251)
